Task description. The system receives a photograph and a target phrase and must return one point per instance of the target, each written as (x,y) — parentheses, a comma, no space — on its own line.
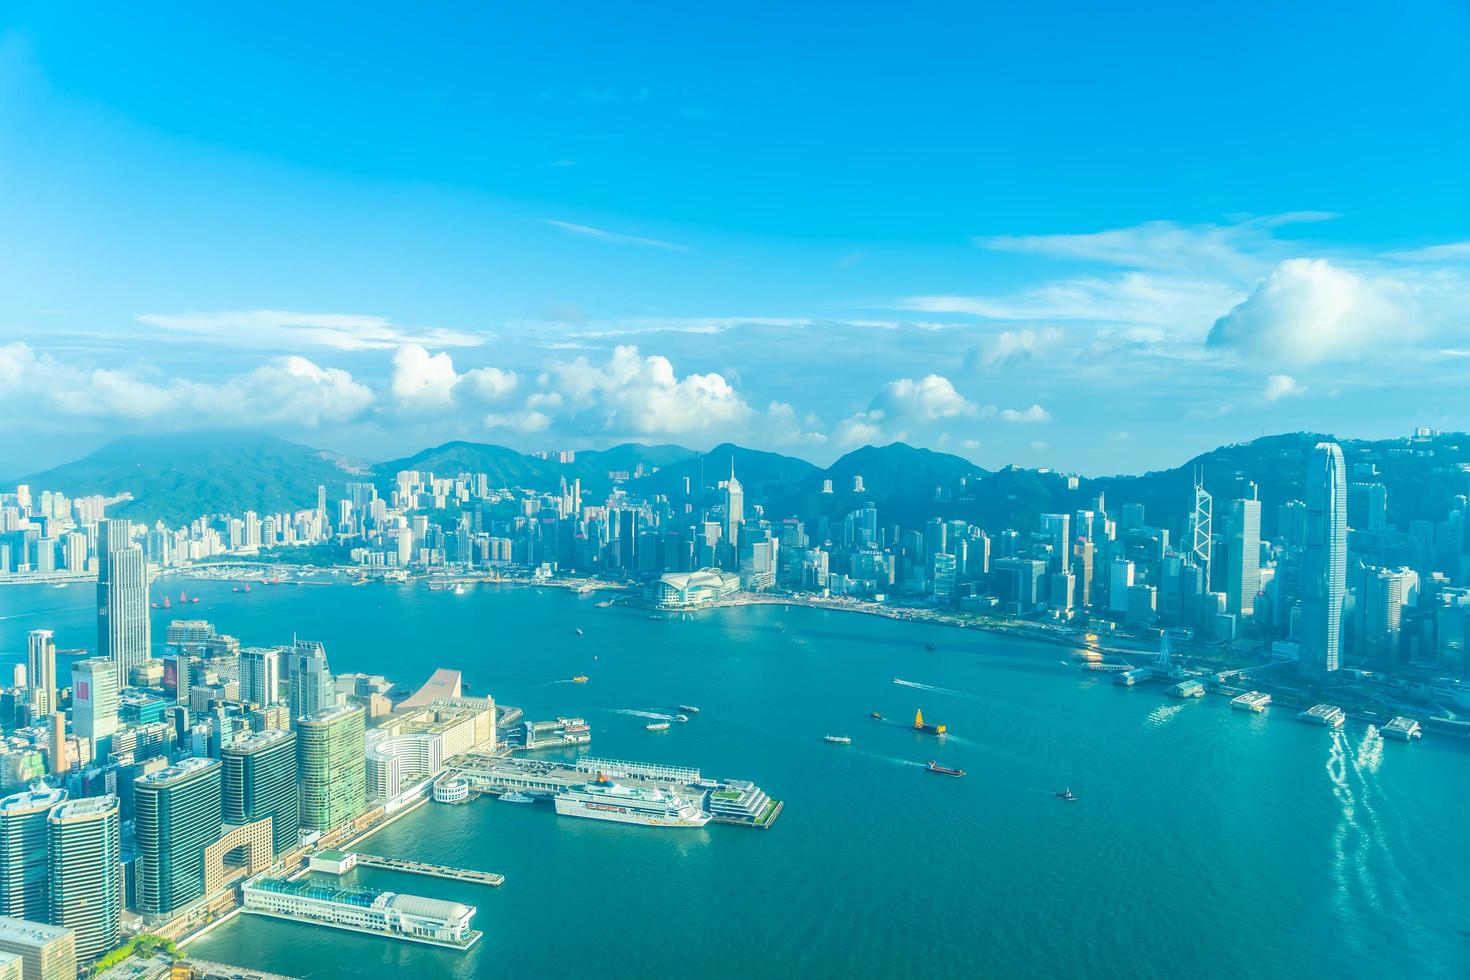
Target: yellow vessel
(580,679)
(919,725)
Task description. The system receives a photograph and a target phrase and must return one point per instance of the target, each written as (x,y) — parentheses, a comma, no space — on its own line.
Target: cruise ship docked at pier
(604,799)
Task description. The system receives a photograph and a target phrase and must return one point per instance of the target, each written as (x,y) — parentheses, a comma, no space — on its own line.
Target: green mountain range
(174,479)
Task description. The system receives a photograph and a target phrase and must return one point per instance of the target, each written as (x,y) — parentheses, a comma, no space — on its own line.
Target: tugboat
(1067,795)
(837,739)
(943,770)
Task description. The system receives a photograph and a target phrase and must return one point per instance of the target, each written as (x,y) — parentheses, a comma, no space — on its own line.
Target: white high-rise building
(41,671)
(1324,560)
(260,676)
(94,687)
(123,630)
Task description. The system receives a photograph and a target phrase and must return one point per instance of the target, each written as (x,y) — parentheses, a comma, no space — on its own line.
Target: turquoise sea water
(1206,843)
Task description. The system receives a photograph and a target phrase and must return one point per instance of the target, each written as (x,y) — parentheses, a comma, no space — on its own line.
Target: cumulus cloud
(1026,415)
(1281,386)
(633,395)
(287,329)
(292,391)
(424,382)
(1310,310)
(906,405)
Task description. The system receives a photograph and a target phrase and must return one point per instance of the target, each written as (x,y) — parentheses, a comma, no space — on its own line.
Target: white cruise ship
(607,800)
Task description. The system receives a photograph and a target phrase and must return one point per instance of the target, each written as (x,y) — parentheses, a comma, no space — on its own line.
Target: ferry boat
(656,726)
(943,770)
(1402,728)
(1326,715)
(604,799)
(511,796)
(689,709)
(837,739)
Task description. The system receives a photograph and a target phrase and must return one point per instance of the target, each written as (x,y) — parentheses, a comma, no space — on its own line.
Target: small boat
(681,718)
(511,796)
(1066,794)
(579,631)
(656,726)
(459,590)
(930,646)
(876,716)
(943,770)
(580,679)
(689,709)
(837,739)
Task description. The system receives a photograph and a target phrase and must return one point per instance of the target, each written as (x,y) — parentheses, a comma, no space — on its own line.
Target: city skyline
(693,247)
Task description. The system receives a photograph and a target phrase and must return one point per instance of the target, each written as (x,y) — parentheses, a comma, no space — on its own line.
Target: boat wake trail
(635,713)
(891,759)
(1162,715)
(937,690)
(1345,836)
(1370,750)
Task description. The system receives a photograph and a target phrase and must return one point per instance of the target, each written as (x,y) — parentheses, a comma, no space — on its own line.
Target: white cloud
(1011,347)
(1026,415)
(1281,386)
(285,329)
(1181,303)
(289,391)
(603,235)
(1309,310)
(425,383)
(931,397)
(1163,245)
(633,395)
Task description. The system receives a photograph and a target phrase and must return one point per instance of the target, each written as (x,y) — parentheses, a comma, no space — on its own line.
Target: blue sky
(1059,235)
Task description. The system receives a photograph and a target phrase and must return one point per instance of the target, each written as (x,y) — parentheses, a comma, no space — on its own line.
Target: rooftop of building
(329,714)
(183,769)
(24,930)
(259,741)
(32,799)
(91,806)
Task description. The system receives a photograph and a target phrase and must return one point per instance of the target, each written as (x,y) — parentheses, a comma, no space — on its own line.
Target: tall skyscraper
(1242,556)
(312,687)
(330,766)
(86,873)
(1324,559)
(1201,529)
(260,676)
(1057,528)
(123,631)
(734,515)
(178,815)
(59,761)
(24,888)
(41,671)
(94,687)
(260,781)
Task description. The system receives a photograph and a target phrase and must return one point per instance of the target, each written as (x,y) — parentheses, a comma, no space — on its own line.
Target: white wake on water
(635,713)
(1162,715)
(937,690)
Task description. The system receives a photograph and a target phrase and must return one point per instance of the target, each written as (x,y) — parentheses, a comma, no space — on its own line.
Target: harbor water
(1204,842)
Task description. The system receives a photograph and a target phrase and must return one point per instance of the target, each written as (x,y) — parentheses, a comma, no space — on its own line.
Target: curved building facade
(331,766)
(396,762)
(690,590)
(84,842)
(260,781)
(177,815)
(23,871)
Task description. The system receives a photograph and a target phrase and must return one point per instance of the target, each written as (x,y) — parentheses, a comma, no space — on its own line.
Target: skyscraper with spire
(734,516)
(1324,560)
